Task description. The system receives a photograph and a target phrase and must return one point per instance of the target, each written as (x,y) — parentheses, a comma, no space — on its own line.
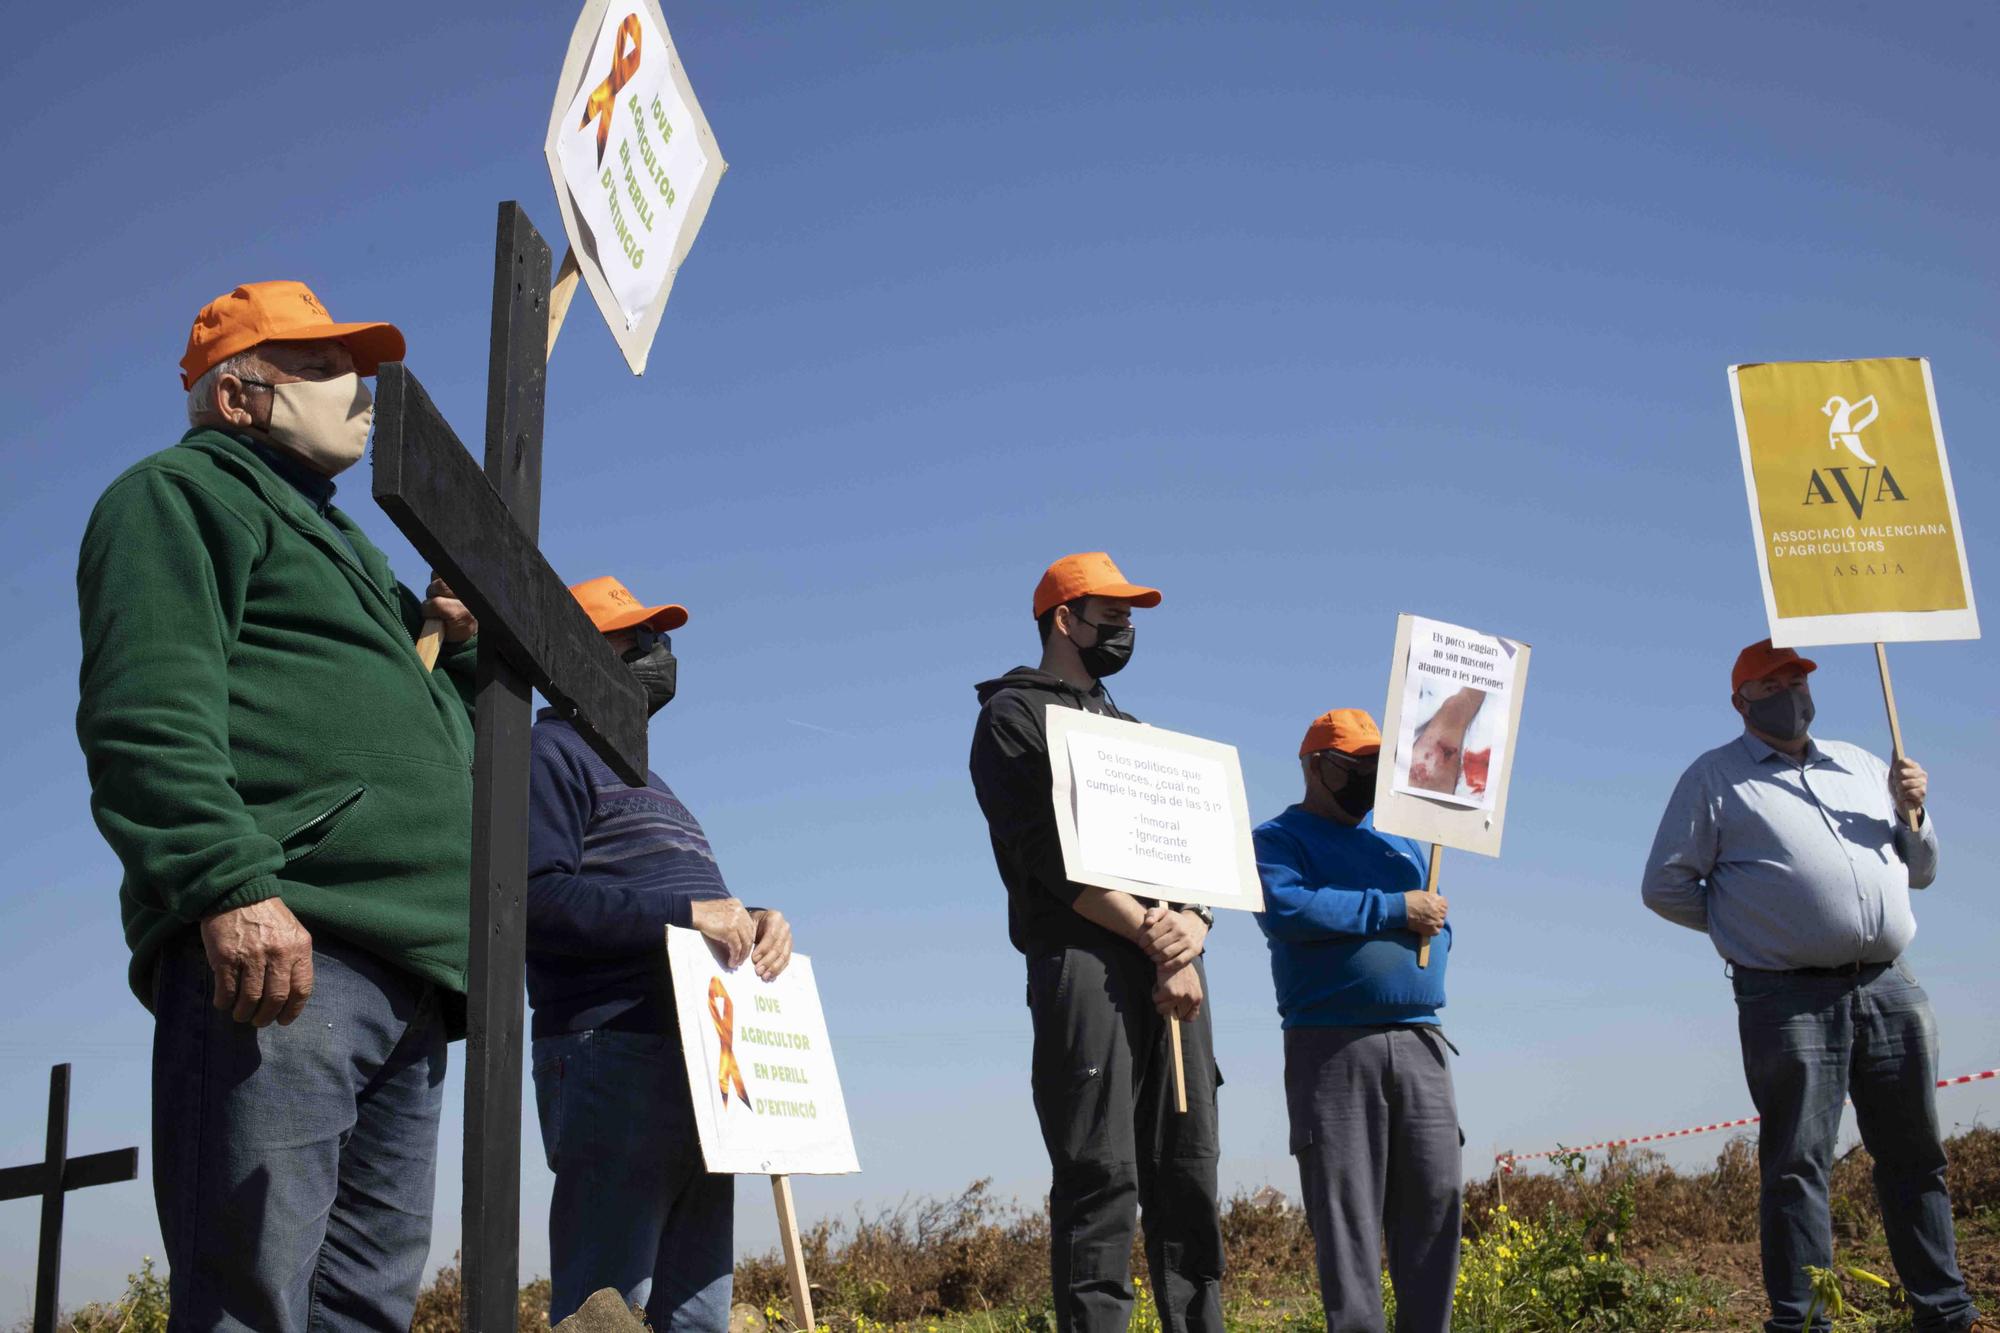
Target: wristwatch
(1202,910)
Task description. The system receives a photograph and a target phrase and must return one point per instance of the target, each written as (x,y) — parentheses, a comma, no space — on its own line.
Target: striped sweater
(609,866)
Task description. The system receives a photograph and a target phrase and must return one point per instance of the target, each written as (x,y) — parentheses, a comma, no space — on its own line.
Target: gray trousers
(1375,1129)
(1103,1080)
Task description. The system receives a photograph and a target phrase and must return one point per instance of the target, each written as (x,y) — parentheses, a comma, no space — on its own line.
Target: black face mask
(1785,714)
(1107,656)
(1357,796)
(658,670)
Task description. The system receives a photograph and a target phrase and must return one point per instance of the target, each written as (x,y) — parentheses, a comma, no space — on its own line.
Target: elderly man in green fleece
(289,792)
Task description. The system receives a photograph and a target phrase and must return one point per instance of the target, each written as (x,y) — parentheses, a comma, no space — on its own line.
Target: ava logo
(1858,487)
(1845,429)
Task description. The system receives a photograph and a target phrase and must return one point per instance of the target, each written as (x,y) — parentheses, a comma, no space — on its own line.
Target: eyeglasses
(645,637)
(1366,766)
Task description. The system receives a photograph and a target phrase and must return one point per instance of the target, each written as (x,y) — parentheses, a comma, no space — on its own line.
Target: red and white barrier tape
(1505,1161)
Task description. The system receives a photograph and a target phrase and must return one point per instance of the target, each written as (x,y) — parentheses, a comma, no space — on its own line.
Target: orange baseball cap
(611,606)
(278,312)
(1090,574)
(1760,659)
(1348,730)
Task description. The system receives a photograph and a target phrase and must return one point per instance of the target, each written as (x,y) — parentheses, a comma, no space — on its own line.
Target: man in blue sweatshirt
(1367,1079)
(609,867)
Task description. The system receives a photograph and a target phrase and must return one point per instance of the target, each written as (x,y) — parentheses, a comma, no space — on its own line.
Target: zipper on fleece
(330,818)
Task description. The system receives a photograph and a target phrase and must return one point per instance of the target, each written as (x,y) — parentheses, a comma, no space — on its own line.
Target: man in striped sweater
(609,867)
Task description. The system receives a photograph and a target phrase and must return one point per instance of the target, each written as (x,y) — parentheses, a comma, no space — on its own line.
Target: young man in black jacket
(1105,972)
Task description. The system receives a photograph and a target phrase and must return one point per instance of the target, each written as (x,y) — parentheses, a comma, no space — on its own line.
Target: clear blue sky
(1309,319)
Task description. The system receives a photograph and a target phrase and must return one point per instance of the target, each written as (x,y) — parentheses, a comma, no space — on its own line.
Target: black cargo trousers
(1104,1092)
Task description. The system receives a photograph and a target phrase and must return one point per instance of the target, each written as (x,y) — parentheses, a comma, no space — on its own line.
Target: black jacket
(1010,774)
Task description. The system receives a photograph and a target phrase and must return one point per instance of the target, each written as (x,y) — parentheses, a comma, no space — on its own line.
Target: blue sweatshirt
(1341,952)
(609,868)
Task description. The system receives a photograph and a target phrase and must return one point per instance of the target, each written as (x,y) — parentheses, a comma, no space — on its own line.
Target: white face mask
(324,422)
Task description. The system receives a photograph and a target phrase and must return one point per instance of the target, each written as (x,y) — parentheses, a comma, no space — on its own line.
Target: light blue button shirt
(1788,864)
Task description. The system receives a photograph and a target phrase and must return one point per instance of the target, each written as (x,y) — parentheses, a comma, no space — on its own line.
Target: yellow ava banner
(1851,501)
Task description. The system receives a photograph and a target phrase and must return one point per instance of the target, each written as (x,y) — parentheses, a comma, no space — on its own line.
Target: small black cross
(53,1177)
(479,530)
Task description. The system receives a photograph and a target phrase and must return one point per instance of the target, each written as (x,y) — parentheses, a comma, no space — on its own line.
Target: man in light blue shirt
(1797,858)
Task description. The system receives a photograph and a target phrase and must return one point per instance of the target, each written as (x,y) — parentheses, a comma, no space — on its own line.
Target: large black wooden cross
(53,1177)
(479,531)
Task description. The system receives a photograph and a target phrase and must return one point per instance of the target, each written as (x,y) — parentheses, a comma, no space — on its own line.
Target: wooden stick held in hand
(795,1255)
(1895,727)
(429,640)
(1180,1068)
(1430,886)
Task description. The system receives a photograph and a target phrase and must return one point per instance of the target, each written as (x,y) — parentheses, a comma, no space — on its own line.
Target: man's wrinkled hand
(1908,785)
(459,622)
(774,943)
(262,960)
(1426,911)
(1179,995)
(1172,938)
(724,921)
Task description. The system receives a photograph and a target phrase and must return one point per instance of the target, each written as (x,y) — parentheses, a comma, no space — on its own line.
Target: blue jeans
(635,1208)
(293,1167)
(1809,1043)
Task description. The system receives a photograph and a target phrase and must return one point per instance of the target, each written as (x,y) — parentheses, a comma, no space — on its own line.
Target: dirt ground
(1733,1264)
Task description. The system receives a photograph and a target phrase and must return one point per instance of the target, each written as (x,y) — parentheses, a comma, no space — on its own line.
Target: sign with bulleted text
(1154,813)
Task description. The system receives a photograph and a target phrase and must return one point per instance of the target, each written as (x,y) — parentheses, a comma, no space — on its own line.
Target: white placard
(1153,813)
(1446,779)
(634,164)
(1453,724)
(767,1097)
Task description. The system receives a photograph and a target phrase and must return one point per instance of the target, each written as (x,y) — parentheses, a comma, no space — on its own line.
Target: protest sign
(1453,714)
(767,1098)
(1453,724)
(1851,502)
(634,164)
(1852,507)
(1154,813)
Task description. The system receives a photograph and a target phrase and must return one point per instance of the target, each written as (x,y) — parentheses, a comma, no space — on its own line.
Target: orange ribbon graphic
(604,97)
(725,1027)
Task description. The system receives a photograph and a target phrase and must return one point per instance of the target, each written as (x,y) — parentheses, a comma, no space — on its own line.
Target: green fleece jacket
(256,723)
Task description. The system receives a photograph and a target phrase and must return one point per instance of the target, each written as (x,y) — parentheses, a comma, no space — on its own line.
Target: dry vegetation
(1676,1251)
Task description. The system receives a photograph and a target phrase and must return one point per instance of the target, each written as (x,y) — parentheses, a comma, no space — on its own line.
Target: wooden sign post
(795,1258)
(1895,726)
(52,1178)
(478,529)
(1430,886)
